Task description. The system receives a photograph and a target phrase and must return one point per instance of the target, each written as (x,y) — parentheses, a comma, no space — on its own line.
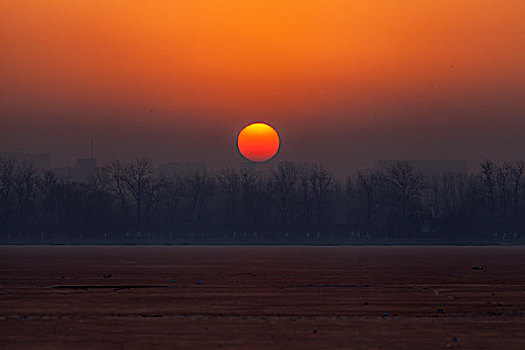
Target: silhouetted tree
(322,185)
(503,174)
(248,181)
(306,195)
(405,186)
(48,193)
(174,189)
(371,194)
(284,182)
(153,197)
(229,182)
(200,187)
(517,176)
(488,181)
(7,172)
(117,174)
(137,177)
(24,190)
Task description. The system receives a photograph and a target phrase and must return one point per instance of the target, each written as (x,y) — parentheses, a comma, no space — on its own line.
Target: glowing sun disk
(258,142)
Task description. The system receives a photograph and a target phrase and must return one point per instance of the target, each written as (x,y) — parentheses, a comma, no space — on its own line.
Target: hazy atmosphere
(344,82)
(247,174)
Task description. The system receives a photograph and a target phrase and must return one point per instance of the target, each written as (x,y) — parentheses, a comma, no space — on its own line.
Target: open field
(201,297)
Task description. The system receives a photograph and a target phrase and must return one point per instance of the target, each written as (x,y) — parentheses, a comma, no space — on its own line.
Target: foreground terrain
(200,297)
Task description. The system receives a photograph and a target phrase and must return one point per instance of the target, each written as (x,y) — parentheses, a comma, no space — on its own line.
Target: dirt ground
(239,297)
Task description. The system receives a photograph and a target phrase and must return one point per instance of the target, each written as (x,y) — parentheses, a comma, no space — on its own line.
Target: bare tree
(7,172)
(503,174)
(322,184)
(452,193)
(229,181)
(369,189)
(153,197)
(248,182)
(137,177)
(173,195)
(306,195)
(516,177)
(24,189)
(200,187)
(488,180)
(351,201)
(405,190)
(47,191)
(117,174)
(284,181)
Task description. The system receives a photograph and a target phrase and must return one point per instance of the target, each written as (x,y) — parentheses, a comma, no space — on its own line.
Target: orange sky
(187,70)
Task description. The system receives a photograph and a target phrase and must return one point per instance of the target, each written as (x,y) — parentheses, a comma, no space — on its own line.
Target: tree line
(291,201)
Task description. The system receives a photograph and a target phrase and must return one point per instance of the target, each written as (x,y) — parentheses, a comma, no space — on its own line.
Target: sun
(258,142)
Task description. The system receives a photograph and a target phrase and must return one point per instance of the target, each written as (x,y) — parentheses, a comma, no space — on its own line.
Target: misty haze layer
(357,81)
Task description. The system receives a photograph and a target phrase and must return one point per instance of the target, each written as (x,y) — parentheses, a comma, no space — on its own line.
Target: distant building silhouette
(83,171)
(429,167)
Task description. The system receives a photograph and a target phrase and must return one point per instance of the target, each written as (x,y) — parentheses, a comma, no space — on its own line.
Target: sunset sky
(344,82)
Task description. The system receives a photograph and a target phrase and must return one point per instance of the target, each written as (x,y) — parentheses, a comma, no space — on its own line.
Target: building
(83,171)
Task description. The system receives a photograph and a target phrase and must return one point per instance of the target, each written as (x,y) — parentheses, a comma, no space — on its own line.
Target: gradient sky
(344,82)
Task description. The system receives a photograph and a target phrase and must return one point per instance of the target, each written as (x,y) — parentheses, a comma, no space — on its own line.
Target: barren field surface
(238,297)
